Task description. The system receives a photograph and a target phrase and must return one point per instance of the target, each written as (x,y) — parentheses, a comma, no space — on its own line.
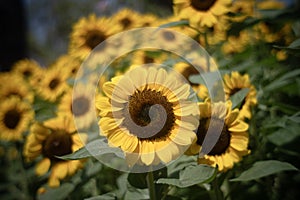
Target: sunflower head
(217,120)
(148,114)
(50,139)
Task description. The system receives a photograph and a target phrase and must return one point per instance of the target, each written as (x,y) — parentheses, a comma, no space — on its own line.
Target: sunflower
(141,57)
(55,137)
(148,20)
(234,83)
(201,13)
(148,114)
(68,64)
(88,33)
(236,43)
(53,83)
(15,117)
(18,87)
(232,143)
(26,67)
(242,9)
(78,104)
(127,19)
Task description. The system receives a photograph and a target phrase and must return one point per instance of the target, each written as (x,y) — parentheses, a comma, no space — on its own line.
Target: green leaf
(107,196)
(61,192)
(173,24)
(93,149)
(285,135)
(283,80)
(190,176)
(238,97)
(264,168)
(134,193)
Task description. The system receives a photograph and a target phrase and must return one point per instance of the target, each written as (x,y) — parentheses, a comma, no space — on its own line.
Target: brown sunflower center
(202,5)
(54,83)
(148,59)
(168,35)
(149,115)
(27,73)
(80,106)
(12,119)
(58,143)
(94,38)
(224,139)
(126,22)
(188,71)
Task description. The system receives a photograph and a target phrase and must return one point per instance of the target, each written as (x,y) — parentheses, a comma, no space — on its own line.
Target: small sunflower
(236,43)
(234,83)
(15,116)
(242,9)
(233,140)
(78,104)
(127,19)
(17,87)
(148,114)
(26,67)
(55,137)
(140,57)
(88,33)
(53,83)
(68,64)
(201,13)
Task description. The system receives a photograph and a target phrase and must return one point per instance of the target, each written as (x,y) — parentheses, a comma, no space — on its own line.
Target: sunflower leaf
(238,97)
(93,149)
(264,168)
(285,135)
(173,24)
(204,174)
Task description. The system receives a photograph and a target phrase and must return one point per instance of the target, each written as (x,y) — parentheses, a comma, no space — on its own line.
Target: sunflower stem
(217,190)
(151,185)
(207,48)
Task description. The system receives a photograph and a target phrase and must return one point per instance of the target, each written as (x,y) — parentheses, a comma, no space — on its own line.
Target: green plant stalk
(216,187)
(207,47)
(151,185)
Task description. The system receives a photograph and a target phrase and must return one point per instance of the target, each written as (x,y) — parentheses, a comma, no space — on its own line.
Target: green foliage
(264,168)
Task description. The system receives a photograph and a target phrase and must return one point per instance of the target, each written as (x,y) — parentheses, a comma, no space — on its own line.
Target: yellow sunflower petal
(43,167)
(239,127)
(147,152)
(60,170)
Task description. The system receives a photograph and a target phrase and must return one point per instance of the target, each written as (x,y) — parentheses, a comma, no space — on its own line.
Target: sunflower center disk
(202,5)
(214,124)
(11,119)
(126,22)
(80,106)
(149,115)
(53,83)
(94,38)
(59,143)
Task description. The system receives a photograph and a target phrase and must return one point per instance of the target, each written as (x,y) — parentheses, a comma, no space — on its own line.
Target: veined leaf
(264,168)
(190,176)
(238,97)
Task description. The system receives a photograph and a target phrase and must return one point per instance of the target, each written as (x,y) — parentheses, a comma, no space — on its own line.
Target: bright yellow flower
(127,19)
(234,83)
(55,137)
(15,116)
(148,114)
(201,13)
(233,140)
(27,68)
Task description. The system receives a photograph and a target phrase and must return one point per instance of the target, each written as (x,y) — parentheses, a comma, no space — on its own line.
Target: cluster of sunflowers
(151,103)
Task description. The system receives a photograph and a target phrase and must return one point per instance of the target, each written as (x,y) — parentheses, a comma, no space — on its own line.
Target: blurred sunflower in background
(20,88)
(52,138)
(53,83)
(127,19)
(234,83)
(78,104)
(201,13)
(233,140)
(15,117)
(27,68)
(88,32)
(148,114)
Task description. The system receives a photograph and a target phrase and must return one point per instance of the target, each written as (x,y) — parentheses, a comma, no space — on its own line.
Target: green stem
(207,49)
(151,185)
(217,190)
